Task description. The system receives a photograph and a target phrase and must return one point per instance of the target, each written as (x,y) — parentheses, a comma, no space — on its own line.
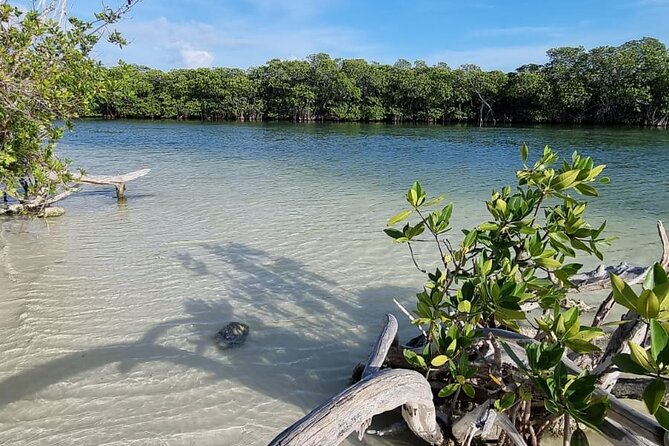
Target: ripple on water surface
(107,313)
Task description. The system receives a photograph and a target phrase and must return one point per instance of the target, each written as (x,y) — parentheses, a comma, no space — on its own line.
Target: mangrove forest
(626,84)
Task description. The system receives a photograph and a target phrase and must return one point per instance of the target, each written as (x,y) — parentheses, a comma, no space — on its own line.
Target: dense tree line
(627,84)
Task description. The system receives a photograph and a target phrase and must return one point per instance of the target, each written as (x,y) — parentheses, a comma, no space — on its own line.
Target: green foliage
(652,307)
(604,85)
(565,329)
(564,393)
(519,256)
(46,79)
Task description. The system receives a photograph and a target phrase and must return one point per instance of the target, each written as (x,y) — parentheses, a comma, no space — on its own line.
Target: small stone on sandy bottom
(232,335)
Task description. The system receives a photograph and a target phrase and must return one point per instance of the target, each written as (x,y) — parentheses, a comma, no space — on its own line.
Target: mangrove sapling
(521,255)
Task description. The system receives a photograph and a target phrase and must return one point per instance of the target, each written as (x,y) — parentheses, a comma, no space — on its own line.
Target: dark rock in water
(232,335)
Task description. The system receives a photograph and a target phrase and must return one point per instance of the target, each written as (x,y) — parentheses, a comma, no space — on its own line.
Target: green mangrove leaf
(581,346)
(662,417)
(623,293)
(653,395)
(578,438)
(435,201)
(626,364)
(465,306)
(587,190)
(564,180)
(524,153)
(547,262)
(469,390)
(505,402)
(449,390)
(658,338)
(648,305)
(640,356)
(400,216)
(439,360)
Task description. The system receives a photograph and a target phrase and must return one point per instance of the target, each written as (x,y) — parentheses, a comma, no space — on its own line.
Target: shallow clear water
(106,314)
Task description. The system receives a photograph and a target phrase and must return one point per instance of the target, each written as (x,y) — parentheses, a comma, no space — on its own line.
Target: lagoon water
(106,314)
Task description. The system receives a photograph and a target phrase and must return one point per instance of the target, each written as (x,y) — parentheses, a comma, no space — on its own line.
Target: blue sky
(493,34)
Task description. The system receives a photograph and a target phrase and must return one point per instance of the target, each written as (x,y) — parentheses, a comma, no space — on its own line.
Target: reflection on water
(108,312)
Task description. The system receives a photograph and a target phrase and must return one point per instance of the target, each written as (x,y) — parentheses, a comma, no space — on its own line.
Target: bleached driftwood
(36,205)
(598,278)
(352,410)
(118,181)
(632,388)
(386,339)
(380,391)
(634,331)
(482,421)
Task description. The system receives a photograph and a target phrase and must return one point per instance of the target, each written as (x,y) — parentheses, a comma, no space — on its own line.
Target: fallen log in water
(38,206)
(118,181)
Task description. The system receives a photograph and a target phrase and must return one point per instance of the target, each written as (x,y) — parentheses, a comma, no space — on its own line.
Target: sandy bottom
(107,313)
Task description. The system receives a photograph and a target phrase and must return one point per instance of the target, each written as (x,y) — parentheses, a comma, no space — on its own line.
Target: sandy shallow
(106,314)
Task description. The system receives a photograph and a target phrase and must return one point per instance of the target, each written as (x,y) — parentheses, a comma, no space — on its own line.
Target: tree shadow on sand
(302,329)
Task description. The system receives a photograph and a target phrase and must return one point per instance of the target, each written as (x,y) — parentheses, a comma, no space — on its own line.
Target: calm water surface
(106,314)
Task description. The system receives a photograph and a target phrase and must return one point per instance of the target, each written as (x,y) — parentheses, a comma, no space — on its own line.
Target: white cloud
(196,58)
(229,42)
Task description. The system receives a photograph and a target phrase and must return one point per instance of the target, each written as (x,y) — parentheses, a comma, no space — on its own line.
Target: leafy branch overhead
(47,78)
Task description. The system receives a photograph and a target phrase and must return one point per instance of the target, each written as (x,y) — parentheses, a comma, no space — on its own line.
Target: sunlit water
(107,313)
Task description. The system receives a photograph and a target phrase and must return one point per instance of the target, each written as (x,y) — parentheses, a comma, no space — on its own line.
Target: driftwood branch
(353,409)
(379,391)
(634,330)
(632,388)
(35,205)
(619,435)
(386,339)
(118,181)
(38,205)
(598,278)
(482,421)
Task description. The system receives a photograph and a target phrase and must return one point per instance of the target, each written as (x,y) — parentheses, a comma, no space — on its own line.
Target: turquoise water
(107,312)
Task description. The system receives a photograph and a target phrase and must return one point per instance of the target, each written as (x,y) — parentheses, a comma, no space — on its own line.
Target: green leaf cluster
(519,256)
(47,78)
(652,306)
